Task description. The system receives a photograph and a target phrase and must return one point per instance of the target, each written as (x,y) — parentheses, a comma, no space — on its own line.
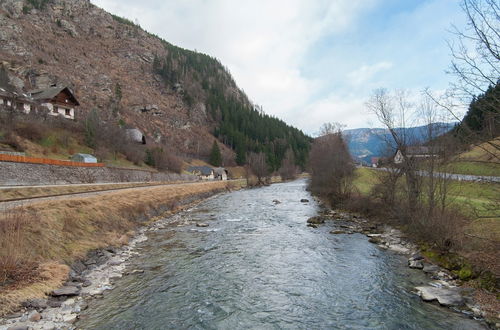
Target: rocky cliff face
(108,62)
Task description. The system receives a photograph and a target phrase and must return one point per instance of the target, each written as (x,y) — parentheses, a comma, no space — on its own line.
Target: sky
(309,62)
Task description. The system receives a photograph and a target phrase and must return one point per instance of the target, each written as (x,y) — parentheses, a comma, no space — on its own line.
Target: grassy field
(477,201)
(40,240)
(473,168)
(478,160)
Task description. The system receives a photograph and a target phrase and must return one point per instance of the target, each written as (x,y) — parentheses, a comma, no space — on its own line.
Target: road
(452,176)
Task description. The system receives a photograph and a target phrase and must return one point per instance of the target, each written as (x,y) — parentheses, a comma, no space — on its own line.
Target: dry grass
(19,192)
(65,230)
(481,153)
(51,276)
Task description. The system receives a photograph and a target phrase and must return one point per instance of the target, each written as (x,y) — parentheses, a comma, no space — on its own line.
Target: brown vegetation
(61,231)
(331,167)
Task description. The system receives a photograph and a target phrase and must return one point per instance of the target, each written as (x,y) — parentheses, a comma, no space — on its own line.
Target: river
(258,266)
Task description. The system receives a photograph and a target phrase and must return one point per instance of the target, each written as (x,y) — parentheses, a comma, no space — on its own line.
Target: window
(55,110)
(67,112)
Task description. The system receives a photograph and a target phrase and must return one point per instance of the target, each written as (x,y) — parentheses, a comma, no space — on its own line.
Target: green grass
(473,168)
(479,202)
(365,179)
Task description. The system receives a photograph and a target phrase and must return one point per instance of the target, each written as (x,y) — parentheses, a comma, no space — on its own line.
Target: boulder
(375,240)
(312,225)
(304,200)
(18,327)
(34,316)
(316,220)
(428,268)
(337,232)
(78,266)
(415,264)
(136,271)
(37,304)
(201,224)
(416,257)
(445,296)
(275,201)
(66,291)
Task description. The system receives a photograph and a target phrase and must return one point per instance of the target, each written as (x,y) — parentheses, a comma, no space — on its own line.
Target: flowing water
(258,266)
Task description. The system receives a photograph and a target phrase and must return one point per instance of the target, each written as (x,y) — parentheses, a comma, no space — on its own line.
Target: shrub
(31,130)
(163,160)
(10,139)
(14,266)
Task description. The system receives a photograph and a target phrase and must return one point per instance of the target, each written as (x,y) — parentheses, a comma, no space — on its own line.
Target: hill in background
(365,143)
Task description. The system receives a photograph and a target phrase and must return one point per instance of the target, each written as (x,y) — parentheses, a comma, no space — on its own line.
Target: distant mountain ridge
(365,143)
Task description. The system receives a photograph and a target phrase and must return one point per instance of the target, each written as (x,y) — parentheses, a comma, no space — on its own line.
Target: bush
(31,130)
(163,160)
(10,139)
(13,266)
(133,153)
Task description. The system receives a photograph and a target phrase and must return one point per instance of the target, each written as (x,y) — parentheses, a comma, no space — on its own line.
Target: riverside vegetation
(39,241)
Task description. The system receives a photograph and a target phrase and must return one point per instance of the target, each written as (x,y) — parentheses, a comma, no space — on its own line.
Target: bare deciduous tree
(288,170)
(331,165)
(258,166)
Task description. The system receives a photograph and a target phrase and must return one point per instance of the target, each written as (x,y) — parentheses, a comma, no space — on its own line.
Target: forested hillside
(182,100)
(238,123)
(482,120)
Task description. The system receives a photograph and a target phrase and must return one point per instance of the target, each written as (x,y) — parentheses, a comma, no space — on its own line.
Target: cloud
(308,62)
(367,72)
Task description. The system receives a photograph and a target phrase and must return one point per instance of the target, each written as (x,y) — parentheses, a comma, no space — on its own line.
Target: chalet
(415,152)
(16,101)
(60,100)
(203,172)
(375,161)
(220,173)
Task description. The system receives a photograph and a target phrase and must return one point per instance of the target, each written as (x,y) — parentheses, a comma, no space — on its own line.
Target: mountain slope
(179,98)
(365,143)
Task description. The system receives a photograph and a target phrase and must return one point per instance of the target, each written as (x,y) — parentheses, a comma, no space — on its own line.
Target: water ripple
(259,267)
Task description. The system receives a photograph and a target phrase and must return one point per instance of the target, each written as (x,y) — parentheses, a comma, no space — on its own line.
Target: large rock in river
(445,296)
(316,220)
(66,291)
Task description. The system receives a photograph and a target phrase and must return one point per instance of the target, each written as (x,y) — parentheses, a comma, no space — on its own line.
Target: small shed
(83,158)
(203,172)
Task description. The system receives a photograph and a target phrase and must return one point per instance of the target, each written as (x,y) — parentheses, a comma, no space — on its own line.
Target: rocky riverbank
(443,288)
(90,278)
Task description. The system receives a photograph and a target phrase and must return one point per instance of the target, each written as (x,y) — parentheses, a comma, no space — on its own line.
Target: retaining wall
(16,174)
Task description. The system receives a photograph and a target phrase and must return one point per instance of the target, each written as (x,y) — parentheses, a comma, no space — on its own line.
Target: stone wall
(39,174)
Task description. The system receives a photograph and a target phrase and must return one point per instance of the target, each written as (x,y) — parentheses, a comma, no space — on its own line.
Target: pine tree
(215,155)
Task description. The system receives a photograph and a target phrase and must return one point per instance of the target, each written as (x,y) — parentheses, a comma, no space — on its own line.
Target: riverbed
(258,266)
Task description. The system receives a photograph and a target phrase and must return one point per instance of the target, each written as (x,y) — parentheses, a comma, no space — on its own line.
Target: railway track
(21,199)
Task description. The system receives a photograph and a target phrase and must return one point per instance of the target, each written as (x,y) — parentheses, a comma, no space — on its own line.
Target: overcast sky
(311,61)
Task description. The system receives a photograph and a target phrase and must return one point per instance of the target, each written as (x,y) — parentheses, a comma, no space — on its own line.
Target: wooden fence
(47,161)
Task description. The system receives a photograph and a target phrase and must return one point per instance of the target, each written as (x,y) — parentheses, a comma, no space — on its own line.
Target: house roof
(84,155)
(220,170)
(420,150)
(205,170)
(51,92)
